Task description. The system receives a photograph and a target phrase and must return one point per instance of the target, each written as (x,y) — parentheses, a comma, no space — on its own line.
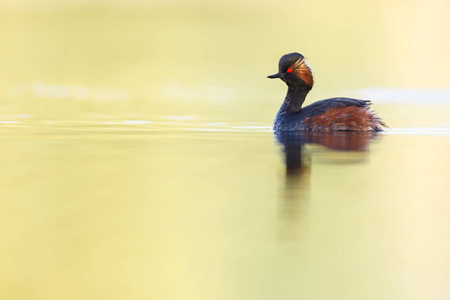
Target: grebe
(343,114)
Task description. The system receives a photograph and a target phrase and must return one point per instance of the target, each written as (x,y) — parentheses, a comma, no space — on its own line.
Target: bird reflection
(294,142)
(298,162)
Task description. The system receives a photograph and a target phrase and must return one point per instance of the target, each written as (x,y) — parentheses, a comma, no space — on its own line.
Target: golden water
(138,160)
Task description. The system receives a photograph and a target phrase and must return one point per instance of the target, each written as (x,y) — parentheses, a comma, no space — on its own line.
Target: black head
(293,70)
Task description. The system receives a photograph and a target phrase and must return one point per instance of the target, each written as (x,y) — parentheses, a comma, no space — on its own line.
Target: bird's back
(341,114)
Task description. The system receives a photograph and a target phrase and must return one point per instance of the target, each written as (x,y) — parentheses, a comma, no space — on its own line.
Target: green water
(139,163)
(170,211)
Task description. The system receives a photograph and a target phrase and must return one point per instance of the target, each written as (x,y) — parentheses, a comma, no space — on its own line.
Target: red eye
(289,70)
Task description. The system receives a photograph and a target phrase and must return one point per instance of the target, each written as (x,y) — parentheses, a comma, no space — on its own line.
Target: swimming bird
(334,114)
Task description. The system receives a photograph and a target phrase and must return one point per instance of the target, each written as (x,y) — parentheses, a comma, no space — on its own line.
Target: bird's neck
(295,97)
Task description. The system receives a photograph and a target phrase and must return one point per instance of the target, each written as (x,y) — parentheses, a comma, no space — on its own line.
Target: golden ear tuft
(301,69)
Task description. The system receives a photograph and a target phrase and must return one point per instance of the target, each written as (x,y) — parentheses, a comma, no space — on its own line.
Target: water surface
(177,208)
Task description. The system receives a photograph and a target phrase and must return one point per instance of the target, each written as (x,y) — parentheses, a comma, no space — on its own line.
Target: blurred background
(78,59)
(139,163)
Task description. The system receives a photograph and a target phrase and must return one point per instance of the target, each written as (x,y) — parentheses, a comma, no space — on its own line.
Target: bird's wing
(320,107)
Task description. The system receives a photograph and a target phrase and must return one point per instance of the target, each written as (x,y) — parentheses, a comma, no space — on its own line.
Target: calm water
(180,209)
(138,160)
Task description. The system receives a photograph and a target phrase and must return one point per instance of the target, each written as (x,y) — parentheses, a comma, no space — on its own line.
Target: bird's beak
(278,75)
